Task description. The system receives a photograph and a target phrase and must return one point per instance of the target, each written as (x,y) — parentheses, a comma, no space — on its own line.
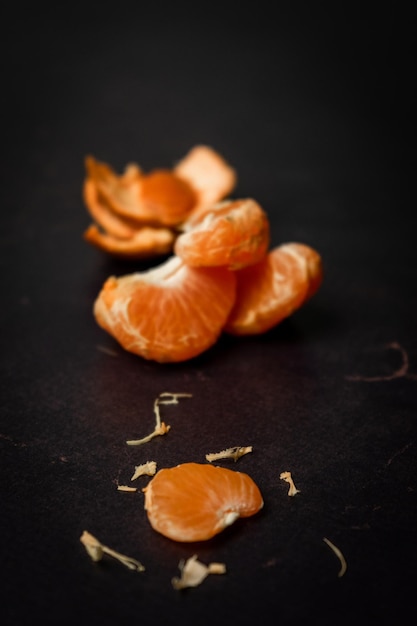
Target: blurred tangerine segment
(274,288)
(169,313)
(314,266)
(233,233)
(194,502)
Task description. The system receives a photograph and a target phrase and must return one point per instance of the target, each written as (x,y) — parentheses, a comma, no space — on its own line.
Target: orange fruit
(314,267)
(194,502)
(274,288)
(169,313)
(234,233)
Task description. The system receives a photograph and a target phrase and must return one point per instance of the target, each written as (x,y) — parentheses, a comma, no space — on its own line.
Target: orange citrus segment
(314,267)
(274,288)
(233,233)
(169,313)
(208,174)
(194,502)
(145,242)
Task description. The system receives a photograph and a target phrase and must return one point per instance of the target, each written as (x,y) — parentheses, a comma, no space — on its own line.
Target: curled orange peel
(121,205)
(104,216)
(207,172)
(144,243)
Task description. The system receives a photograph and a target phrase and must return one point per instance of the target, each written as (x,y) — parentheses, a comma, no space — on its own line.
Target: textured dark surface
(313,110)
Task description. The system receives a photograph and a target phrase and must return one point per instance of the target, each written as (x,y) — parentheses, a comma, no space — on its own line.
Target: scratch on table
(106,350)
(18,444)
(408,445)
(401,372)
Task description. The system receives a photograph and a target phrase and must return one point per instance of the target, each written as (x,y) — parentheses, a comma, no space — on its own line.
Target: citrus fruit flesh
(233,233)
(169,313)
(271,290)
(314,267)
(195,502)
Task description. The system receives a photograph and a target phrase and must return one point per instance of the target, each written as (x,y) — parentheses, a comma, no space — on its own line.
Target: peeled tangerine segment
(234,233)
(169,313)
(270,291)
(194,502)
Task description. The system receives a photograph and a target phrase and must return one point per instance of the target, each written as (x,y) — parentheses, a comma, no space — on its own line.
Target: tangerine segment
(234,233)
(314,267)
(194,502)
(211,177)
(273,289)
(144,243)
(169,313)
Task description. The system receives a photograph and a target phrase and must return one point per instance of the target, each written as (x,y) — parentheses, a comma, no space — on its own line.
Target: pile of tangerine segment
(220,275)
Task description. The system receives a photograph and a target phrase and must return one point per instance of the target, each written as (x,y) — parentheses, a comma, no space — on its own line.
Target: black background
(312,106)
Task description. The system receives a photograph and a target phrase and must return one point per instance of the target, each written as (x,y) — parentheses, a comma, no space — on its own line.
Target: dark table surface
(313,110)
